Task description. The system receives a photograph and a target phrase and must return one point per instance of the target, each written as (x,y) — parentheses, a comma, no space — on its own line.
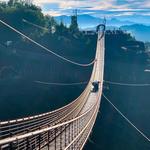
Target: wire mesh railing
(55,136)
(33,123)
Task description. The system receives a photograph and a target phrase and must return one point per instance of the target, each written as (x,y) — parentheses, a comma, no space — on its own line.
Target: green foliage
(14,12)
(74,25)
(123,47)
(61,29)
(70,39)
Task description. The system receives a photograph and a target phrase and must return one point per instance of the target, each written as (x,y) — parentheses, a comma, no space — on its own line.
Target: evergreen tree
(61,29)
(74,24)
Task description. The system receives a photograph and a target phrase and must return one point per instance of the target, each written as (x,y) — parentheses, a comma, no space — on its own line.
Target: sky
(108,8)
(100,8)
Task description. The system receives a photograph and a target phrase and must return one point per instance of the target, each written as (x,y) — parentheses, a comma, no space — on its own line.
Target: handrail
(8,140)
(43,114)
(83,128)
(34,123)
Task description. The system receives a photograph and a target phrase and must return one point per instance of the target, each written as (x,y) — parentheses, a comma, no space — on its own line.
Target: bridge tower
(74,21)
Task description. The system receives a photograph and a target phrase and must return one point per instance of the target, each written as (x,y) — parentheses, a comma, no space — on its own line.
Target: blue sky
(108,8)
(122,9)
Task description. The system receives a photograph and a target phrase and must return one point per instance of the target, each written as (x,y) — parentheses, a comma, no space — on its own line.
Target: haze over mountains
(140,29)
(86,21)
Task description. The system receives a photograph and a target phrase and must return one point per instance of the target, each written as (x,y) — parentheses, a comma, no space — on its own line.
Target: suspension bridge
(65,128)
(70,126)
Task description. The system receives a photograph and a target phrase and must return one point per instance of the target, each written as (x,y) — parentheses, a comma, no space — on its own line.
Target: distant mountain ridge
(140,31)
(87,21)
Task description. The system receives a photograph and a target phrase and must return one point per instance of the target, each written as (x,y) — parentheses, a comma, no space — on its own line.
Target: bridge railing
(62,133)
(25,125)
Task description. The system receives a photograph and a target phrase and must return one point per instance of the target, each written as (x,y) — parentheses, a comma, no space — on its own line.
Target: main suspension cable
(61,84)
(126,118)
(126,84)
(35,25)
(48,50)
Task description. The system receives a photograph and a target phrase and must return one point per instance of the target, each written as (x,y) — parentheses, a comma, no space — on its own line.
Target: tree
(61,29)
(74,24)
(50,23)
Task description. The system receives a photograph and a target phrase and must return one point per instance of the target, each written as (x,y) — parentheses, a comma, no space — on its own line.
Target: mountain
(137,18)
(140,31)
(84,21)
(87,21)
(117,23)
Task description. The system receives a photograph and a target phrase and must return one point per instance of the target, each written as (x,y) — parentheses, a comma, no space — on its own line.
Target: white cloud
(123,7)
(53,13)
